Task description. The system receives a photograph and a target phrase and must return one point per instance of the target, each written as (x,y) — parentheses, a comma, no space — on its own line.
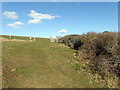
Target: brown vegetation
(101,50)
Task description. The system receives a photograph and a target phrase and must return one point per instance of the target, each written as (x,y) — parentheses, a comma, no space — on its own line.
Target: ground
(41,64)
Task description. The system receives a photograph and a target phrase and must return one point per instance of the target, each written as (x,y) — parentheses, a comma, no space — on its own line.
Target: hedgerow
(102,51)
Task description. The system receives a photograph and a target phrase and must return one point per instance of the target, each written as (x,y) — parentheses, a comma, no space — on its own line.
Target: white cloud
(37,17)
(10,15)
(62,31)
(34,21)
(54,0)
(15,25)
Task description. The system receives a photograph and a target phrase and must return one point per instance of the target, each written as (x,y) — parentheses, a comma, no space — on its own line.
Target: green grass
(41,64)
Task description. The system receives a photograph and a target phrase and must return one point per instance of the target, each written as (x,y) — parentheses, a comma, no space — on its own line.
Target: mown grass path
(41,64)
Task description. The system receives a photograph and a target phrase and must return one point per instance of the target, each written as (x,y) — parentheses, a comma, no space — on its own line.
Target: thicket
(101,50)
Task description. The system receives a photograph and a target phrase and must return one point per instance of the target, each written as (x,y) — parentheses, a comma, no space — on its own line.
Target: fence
(11,38)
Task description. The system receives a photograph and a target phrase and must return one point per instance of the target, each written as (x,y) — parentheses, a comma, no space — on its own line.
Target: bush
(72,41)
(102,49)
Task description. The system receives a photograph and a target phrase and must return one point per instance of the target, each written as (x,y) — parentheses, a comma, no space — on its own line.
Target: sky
(45,19)
(60,0)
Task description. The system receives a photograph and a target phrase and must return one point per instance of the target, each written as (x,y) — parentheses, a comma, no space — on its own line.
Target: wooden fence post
(10,37)
(30,38)
(34,38)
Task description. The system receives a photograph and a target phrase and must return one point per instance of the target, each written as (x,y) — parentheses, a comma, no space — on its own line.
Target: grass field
(41,64)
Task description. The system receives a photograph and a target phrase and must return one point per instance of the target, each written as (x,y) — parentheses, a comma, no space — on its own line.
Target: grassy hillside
(41,64)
